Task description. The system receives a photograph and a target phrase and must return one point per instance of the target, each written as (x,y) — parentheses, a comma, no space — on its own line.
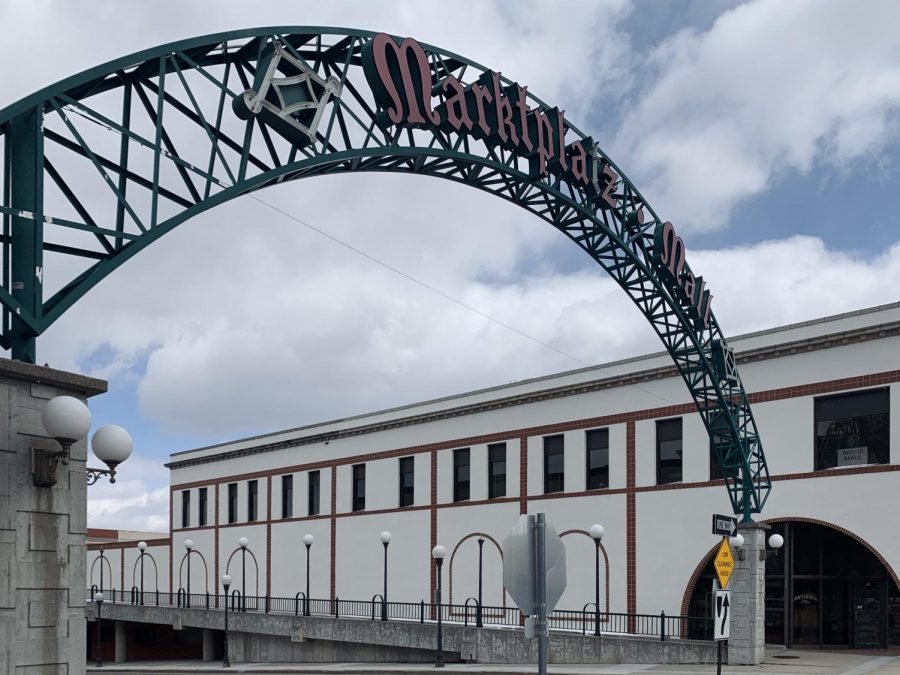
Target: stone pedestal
(42,529)
(747,643)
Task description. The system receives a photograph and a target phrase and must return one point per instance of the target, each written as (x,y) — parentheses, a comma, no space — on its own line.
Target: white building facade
(619,444)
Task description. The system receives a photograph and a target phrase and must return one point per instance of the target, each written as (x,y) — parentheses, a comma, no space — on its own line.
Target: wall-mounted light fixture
(68,420)
(112,445)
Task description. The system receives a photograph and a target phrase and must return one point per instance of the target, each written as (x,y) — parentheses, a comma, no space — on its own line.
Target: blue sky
(774,154)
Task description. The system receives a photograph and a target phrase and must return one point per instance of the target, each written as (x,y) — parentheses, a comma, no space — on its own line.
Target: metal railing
(660,626)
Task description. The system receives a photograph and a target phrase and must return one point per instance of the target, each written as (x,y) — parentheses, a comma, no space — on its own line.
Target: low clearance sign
(408,94)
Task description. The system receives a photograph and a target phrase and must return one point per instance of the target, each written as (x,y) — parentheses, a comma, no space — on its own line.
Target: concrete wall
(277,638)
(42,529)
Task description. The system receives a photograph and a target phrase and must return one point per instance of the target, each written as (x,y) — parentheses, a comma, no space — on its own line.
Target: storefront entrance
(824,589)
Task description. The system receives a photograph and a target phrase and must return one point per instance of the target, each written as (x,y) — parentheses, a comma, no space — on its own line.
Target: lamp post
(308,542)
(101,570)
(142,547)
(438,553)
(226,582)
(189,546)
(385,540)
(98,600)
(597,534)
(242,542)
(478,622)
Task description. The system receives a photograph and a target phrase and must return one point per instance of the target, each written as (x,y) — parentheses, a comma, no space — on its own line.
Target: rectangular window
(668,451)
(201,505)
(287,496)
(359,487)
(232,502)
(715,471)
(461,475)
(185,508)
(252,493)
(852,429)
(554,473)
(407,481)
(597,458)
(496,470)
(312,495)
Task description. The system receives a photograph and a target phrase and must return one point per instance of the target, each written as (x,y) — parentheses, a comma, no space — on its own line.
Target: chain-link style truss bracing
(100,165)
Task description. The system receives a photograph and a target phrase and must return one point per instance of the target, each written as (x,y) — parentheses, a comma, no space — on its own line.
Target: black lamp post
(308,542)
(189,546)
(102,560)
(597,534)
(385,539)
(438,553)
(98,600)
(478,621)
(226,582)
(242,542)
(142,547)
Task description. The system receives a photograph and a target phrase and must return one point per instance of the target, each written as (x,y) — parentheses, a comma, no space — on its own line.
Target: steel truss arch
(102,164)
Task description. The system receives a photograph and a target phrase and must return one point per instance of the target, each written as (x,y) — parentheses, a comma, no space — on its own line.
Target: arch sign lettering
(100,165)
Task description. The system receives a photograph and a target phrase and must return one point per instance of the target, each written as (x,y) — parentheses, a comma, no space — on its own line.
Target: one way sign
(724,526)
(722,615)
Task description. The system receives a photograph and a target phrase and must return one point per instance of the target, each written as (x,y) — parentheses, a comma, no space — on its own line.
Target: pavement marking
(869,666)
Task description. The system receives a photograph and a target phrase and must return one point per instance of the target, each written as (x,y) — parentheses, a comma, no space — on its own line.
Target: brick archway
(698,570)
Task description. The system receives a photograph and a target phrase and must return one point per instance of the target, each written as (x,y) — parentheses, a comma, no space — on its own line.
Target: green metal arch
(71,117)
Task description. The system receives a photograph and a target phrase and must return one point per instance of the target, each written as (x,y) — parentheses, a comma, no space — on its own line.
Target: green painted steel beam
(349,138)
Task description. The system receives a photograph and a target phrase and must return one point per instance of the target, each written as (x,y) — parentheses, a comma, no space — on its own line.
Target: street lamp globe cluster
(776,541)
(68,420)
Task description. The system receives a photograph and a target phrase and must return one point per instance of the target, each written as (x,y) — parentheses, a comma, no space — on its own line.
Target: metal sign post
(534,573)
(721,621)
(540,590)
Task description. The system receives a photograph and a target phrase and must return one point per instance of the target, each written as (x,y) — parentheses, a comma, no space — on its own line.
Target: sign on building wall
(852,456)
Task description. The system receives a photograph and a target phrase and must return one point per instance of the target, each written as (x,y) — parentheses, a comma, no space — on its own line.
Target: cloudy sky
(766,131)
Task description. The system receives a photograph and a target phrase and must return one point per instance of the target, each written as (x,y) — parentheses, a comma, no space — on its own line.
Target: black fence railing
(585,621)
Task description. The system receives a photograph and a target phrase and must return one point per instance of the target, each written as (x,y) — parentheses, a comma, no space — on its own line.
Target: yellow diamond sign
(724,563)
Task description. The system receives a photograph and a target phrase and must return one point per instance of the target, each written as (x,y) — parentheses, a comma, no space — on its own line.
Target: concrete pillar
(121,642)
(748,598)
(209,644)
(42,529)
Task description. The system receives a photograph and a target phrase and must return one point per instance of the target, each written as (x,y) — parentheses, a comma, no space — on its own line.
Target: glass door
(806,612)
(867,612)
(835,599)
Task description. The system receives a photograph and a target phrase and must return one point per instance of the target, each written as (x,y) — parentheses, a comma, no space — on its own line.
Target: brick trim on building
(472,535)
(630,491)
(605,564)
(630,523)
(695,575)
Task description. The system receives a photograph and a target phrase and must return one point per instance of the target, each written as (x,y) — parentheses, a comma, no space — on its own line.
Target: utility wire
(417,281)
(441,293)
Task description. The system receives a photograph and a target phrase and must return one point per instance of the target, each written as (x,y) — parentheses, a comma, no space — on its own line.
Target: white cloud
(139,499)
(249,321)
(770,87)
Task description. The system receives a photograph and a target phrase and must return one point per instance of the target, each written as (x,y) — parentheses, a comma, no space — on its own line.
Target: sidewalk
(776,663)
